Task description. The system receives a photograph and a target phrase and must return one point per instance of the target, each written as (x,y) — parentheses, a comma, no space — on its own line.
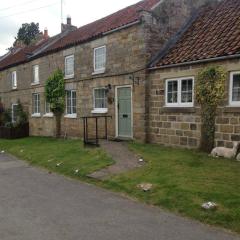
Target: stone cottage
(212,37)
(105,66)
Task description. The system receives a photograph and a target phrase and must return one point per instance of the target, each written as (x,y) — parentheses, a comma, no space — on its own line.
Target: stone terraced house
(107,71)
(213,38)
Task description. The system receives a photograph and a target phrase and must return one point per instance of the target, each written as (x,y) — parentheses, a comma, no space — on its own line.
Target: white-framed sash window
(179,92)
(14,79)
(69,66)
(100,100)
(71,103)
(14,112)
(234,91)
(35,70)
(36,105)
(100,59)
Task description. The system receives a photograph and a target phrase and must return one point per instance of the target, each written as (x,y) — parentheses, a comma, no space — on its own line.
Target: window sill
(36,115)
(14,89)
(72,116)
(180,109)
(48,115)
(101,71)
(69,77)
(34,84)
(99,111)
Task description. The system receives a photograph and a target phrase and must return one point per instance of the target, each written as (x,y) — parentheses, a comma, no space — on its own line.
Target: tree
(210,91)
(28,32)
(55,96)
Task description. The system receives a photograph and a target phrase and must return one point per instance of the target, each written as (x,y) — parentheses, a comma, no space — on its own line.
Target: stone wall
(125,55)
(182,126)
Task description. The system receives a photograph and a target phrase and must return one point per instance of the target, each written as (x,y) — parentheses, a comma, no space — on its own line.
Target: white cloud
(81,11)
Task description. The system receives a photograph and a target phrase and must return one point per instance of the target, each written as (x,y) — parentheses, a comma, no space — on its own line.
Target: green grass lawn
(48,152)
(182,179)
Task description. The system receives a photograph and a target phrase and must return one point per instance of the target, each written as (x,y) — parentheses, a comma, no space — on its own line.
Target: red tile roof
(85,33)
(215,33)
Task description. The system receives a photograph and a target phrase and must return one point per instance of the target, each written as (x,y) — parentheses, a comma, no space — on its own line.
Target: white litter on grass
(2,151)
(59,164)
(76,171)
(209,205)
(145,186)
(141,160)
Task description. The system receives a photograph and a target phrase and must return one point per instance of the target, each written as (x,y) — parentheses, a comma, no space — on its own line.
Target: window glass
(187,91)
(47,108)
(100,98)
(36,74)
(71,102)
(236,88)
(14,79)
(69,66)
(99,58)
(36,103)
(172,92)
(14,112)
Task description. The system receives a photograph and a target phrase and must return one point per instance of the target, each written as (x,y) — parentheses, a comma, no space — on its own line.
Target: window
(48,112)
(14,79)
(35,74)
(99,59)
(14,112)
(69,66)
(71,103)
(36,104)
(235,89)
(179,92)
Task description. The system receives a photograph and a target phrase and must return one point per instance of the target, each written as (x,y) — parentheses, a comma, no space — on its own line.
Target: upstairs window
(179,92)
(71,103)
(235,89)
(99,59)
(69,66)
(35,74)
(14,79)
(36,104)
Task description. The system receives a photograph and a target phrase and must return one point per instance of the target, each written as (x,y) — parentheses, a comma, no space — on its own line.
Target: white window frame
(14,104)
(38,113)
(47,114)
(14,79)
(67,76)
(99,110)
(71,115)
(179,93)
(35,79)
(231,102)
(99,70)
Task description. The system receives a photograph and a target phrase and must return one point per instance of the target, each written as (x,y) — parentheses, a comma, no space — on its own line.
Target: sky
(48,14)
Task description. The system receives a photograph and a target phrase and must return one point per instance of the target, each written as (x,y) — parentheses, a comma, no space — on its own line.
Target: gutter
(196,62)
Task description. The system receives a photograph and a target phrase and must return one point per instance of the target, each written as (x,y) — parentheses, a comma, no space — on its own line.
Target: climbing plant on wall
(210,90)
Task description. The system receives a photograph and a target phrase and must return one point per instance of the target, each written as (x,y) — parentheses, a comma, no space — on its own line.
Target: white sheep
(226,152)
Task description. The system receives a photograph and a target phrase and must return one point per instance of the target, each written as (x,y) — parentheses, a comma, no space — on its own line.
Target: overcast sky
(48,14)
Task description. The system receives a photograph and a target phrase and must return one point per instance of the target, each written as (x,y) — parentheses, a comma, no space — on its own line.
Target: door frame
(116,110)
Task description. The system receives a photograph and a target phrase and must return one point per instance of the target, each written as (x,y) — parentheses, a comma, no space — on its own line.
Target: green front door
(124,95)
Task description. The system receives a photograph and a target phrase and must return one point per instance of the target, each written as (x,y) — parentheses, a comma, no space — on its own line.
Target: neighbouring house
(211,38)
(106,71)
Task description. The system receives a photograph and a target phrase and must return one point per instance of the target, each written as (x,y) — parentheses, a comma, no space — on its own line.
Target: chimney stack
(45,35)
(68,26)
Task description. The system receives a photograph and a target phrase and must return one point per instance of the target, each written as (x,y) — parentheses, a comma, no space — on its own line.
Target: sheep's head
(236,144)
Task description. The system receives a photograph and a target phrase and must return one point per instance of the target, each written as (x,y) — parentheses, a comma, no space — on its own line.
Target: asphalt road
(35,205)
